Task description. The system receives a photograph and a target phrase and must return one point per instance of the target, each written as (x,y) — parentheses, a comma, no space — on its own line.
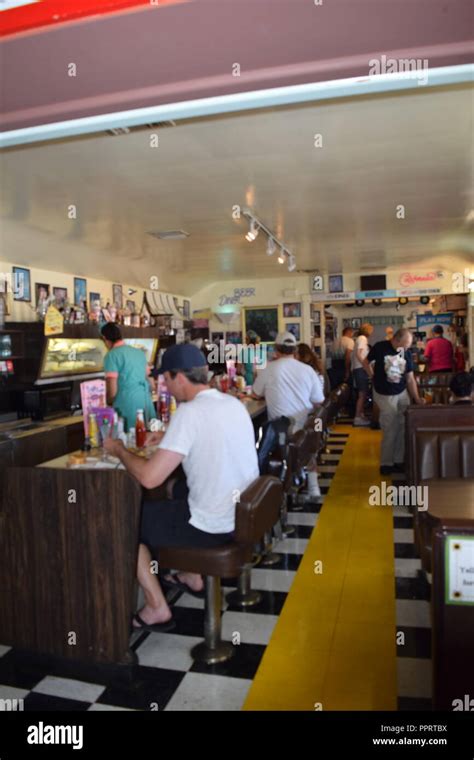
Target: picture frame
(80,291)
(117,296)
(295,329)
(316,316)
(131,306)
(186,309)
(264,320)
(60,295)
(292,309)
(92,298)
(336,283)
(42,292)
(317,332)
(356,322)
(21,284)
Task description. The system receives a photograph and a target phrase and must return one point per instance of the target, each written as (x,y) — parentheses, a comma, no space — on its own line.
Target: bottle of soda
(172,406)
(140,429)
(164,408)
(94,431)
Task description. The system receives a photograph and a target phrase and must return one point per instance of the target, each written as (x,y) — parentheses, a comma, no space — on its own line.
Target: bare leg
(193,580)
(360,404)
(156,609)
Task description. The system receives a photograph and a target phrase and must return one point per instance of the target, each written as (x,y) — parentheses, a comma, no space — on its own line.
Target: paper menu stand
(93,395)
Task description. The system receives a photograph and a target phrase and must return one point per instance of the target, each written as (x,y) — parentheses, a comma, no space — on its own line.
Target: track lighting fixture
(270,246)
(255,225)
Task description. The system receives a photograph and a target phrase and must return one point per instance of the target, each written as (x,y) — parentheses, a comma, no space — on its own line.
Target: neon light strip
(242,101)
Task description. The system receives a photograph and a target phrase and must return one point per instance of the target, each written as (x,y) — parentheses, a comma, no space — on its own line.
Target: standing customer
(126,376)
(439,352)
(305,355)
(393,374)
(360,376)
(341,357)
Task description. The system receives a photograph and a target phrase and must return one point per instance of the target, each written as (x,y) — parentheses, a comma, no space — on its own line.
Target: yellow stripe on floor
(334,646)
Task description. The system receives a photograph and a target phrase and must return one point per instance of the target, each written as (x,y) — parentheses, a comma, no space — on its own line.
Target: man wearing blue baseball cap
(211,435)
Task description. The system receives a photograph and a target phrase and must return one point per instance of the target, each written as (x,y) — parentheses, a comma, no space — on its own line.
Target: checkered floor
(412,593)
(166,677)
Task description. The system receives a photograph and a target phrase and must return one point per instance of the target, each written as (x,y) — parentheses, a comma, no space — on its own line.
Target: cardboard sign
(459,563)
(53,321)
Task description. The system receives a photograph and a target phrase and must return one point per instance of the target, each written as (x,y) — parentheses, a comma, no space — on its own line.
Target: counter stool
(256,513)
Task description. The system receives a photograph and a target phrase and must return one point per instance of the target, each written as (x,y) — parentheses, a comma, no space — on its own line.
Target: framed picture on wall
(335,283)
(356,323)
(294,328)
(317,331)
(263,320)
(292,310)
(80,291)
(42,291)
(60,295)
(93,298)
(21,284)
(117,296)
(186,309)
(130,306)
(316,316)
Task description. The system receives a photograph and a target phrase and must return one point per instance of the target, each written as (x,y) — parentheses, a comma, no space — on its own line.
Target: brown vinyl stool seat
(256,513)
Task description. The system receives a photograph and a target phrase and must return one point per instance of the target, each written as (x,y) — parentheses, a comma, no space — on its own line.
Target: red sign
(410,278)
(29,17)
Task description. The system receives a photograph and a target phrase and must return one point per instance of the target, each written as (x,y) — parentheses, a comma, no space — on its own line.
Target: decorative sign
(427,321)
(419,292)
(411,279)
(348,296)
(376,294)
(237,295)
(459,564)
(53,321)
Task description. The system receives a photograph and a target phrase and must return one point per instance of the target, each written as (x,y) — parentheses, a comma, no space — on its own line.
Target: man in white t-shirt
(291,389)
(211,435)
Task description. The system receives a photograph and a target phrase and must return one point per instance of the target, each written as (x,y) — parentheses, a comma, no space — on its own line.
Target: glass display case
(64,357)
(148,345)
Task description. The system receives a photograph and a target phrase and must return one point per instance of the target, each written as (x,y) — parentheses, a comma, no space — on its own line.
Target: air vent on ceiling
(140,128)
(170,234)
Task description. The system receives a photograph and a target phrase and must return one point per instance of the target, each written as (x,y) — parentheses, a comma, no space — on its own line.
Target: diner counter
(27,427)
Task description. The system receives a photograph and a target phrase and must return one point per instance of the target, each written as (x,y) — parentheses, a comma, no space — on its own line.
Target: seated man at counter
(461,386)
(291,389)
(211,435)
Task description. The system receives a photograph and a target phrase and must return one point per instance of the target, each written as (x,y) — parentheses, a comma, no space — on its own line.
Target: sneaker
(386,469)
(361,422)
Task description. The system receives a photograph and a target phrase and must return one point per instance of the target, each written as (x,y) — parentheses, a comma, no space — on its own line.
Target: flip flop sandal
(170,625)
(176,583)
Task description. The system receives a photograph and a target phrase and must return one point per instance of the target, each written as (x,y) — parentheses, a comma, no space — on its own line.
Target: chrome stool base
(211,655)
(270,559)
(248,599)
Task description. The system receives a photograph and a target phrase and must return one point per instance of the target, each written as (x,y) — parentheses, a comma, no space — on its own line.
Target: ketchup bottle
(140,429)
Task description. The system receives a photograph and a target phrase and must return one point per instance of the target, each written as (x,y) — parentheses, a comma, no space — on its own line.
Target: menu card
(92,395)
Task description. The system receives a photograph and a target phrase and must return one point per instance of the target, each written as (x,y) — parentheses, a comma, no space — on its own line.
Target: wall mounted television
(373,282)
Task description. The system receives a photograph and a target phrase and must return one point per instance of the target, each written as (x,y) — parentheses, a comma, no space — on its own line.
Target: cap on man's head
(438,330)
(285,339)
(183,356)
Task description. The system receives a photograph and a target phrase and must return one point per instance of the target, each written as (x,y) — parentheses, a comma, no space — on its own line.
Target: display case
(148,345)
(65,357)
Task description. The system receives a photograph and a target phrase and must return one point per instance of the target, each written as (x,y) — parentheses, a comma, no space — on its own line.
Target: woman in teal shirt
(126,374)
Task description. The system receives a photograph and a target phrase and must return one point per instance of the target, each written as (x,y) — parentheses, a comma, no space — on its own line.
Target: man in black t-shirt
(394,383)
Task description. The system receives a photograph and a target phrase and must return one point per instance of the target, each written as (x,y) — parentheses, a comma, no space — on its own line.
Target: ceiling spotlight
(281,258)
(253,231)
(360,302)
(402,301)
(271,247)
(424,300)
(131,292)
(377,301)
(291,263)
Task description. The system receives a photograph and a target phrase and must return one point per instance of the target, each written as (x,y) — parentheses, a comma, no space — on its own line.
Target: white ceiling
(335,206)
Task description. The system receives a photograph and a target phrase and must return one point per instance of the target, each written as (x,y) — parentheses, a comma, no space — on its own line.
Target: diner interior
(360,205)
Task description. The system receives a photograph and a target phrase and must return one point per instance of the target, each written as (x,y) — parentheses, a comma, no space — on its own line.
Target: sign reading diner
(236,297)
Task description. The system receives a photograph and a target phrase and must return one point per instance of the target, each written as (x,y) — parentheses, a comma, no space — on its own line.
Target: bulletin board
(264,320)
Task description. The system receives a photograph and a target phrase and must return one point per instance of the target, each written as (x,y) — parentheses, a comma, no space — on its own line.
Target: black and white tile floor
(412,593)
(166,677)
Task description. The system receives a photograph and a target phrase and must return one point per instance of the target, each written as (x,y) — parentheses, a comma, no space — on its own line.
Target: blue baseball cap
(183,356)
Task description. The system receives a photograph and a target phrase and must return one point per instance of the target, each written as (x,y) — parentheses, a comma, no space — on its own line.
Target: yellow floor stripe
(334,646)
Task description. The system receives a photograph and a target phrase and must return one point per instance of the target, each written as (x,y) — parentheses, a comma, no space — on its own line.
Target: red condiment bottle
(140,429)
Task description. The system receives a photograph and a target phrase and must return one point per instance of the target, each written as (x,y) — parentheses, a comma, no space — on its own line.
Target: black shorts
(166,523)
(361,379)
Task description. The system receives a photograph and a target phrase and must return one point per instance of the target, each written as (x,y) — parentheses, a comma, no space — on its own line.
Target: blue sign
(376,294)
(427,320)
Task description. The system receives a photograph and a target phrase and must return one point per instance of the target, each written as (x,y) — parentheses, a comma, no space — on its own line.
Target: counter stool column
(244,596)
(212,650)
